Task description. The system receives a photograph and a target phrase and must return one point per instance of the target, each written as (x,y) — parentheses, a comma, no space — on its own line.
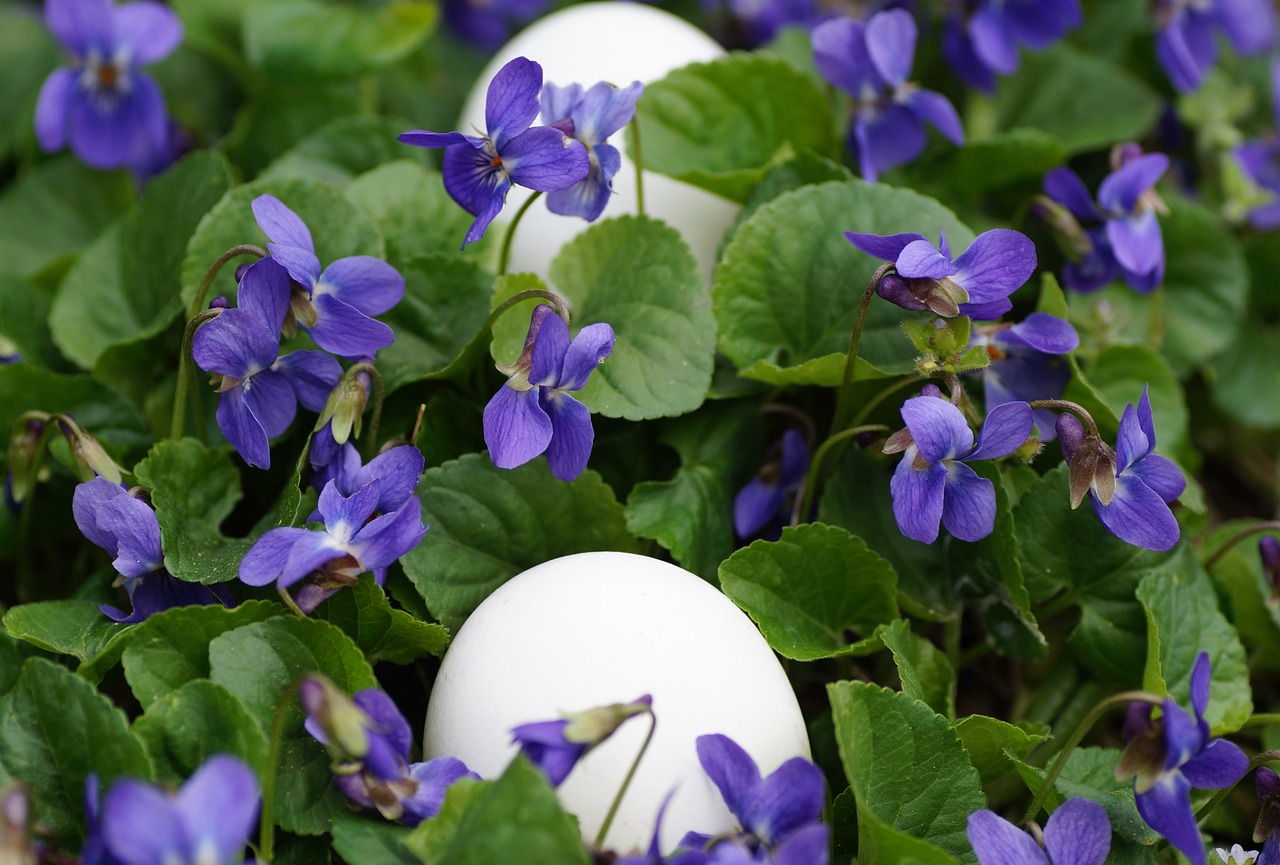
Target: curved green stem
(197,303)
(504,257)
(187,378)
(812,480)
(843,410)
(1106,705)
(375,418)
(633,130)
(266,821)
(870,405)
(626,782)
(551,297)
(1262,719)
(1066,405)
(1243,534)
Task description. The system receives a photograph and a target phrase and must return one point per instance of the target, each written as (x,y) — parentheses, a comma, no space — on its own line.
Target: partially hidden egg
(618,42)
(607,627)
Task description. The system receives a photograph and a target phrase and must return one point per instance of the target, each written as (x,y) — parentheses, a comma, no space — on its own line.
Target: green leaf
(371,840)
(1246,593)
(347,147)
(112,296)
(337,227)
(1004,158)
(489,524)
(27,54)
(1090,773)
(516,818)
(788,286)
(437,324)
(260,663)
(805,169)
(638,275)
(431,837)
(810,588)
(171,648)
(109,418)
(76,628)
(988,739)
(722,125)
(278,116)
(915,785)
(193,489)
(24,314)
(1184,620)
(56,210)
(1045,95)
(923,669)
(382,633)
(411,208)
(1244,381)
(296,40)
(56,730)
(184,728)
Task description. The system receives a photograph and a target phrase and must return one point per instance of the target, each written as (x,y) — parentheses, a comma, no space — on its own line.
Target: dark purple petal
(422,138)
(150,30)
(571,434)
(312,374)
(992,39)
(1078,833)
(141,826)
(891,44)
(936,109)
(242,430)
(996,264)
(840,53)
(919,259)
(1184,737)
(1187,50)
(1138,515)
(265,560)
(1249,24)
(996,841)
(346,331)
(807,846)
(887,139)
(511,103)
(280,224)
(918,498)
(434,778)
(137,532)
(1161,474)
(516,427)
(732,770)
(1167,808)
(986,311)
(544,158)
(80,25)
(1004,431)
(1042,332)
(270,397)
(219,806)
(388,723)
(1137,243)
(795,459)
(785,801)
(367,283)
(1120,191)
(397,471)
(937,427)
(755,505)
(958,48)
(1219,765)
(968,504)
(588,350)
(390,536)
(87,500)
(52,106)
(472,180)
(264,293)
(157,592)
(887,247)
(235,344)
(1065,187)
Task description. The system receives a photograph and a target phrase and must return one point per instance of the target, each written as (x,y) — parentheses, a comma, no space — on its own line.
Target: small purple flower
(260,390)
(1169,755)
(589,117)
(932,484)
(478,170)
(208,821)
(1078,833)
(1128,242)
(352,541)
(1260,160)
(1026,364)
(763,506)
(1145,482)
(871,62)
(333,305)
(976,284)
(1186,44)
(488,24)
(556,746)
(533,412)
(980,38)
(112,113)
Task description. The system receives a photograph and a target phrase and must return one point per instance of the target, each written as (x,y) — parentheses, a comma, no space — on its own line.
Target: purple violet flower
(533,412)
(478,170)
(488,24)
(980,38)
(932,484)
(763,506)
(352,541)
(1026,364)
(112,113)
(976,284)
(871,63)
(1078,833)
(1169,755)
(1267,785)
(209,820)
(1260,160)
(589,117)
(333,305)
(556,746)
(260,390)
(1186,45)
(1128,243)
(1145,482)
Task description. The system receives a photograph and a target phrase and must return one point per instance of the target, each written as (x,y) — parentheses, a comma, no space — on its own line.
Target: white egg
(618,42)
(598,628)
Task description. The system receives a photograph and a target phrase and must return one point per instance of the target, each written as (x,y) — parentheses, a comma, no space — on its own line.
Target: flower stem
(633,130)
(1243,534)
(371,440)
(1074,408)
(504,257)
(1077,735)
(1262,719)
(197,303)
(626,782)
(804,500)
(266,824)
(187,378)
(843,409)
(551,297)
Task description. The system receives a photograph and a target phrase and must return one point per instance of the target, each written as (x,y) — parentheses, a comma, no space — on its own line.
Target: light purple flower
(478,170)
(1078,833)
(764,504)
(589,117)
(871,63)
(981,38)
(260,390)
(333,305)
(533,412)
(1186,44)
(208,821)
(976,284)
(109,111)
(1145,482)
(932,484)
(1027,364)
(1260,160)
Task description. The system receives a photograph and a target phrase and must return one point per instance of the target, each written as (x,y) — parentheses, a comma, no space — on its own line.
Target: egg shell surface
(618,42)
(598,628)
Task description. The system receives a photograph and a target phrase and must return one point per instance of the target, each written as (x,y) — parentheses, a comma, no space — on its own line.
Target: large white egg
(598,628)
(618,42)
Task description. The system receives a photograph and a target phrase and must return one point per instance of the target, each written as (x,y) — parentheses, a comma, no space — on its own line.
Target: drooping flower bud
(1092,462)
(88,455)
(344,409)
(336,721)
(1268,786)
(23,460)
